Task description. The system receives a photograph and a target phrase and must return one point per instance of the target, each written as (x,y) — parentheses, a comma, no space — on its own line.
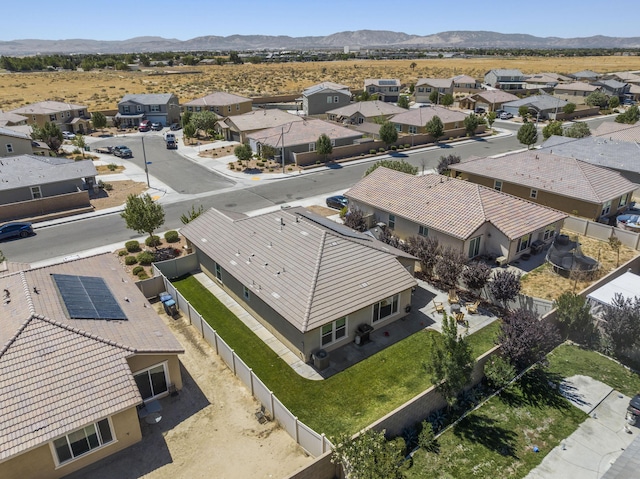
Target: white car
(67,135)
(505,115)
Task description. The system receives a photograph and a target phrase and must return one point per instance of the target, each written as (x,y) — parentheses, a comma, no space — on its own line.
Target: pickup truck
(122,151)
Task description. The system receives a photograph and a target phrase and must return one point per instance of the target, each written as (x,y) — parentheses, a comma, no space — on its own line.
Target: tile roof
(464,79)
(618,131)
(147,98)
(577,86)
(302,132)
(46,108)
(454,207)
(589,74)
(421,116)
(58,374)
(261,119)
(494,96)
(308,269)
(379,82)
(542,102)
(368,109)
(550,172)
(14,133)
(546,77)
(435,82)
(506,72)
(27,170)
(327,85)
(218,98)
(629,77)
(611,83)
(7,117)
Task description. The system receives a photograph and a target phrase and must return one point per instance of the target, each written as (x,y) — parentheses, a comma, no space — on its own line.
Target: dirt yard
(208,431)
(118,195)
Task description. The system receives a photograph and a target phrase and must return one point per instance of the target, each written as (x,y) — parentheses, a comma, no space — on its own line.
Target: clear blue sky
(185,19)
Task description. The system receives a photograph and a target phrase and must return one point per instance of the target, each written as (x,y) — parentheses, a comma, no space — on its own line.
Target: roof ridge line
(314,283)
(15,336)
(581,164)
(27,293)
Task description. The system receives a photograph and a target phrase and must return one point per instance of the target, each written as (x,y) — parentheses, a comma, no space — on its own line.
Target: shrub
(260,164)
(107,186)
(290,168)
(381,150)
(112,167)
(407,145)
(372,152)
(394,148)
(143,275)
(138,269)
(132,246)
(129,260)
(153,241)
(427,437)
(499,372)
(122,252)
(145,258)
(172,236)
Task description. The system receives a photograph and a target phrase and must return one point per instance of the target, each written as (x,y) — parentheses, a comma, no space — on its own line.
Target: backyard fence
(602,232)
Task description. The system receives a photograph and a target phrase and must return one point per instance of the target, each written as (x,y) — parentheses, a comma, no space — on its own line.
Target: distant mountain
(359,38)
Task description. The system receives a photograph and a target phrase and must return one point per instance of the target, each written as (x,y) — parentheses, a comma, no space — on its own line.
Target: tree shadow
(541,388)
(485,431)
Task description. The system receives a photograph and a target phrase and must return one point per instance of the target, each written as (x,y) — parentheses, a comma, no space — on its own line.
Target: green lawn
(347,401)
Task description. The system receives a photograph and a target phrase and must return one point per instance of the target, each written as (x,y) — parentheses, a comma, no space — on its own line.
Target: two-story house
(364,111)
(613,88)
(388,90)
(221,103)
(162,108)
(575,92)
(12,119)
(68,117)
(320,98)
(425,87)
(505,79)
(465,83)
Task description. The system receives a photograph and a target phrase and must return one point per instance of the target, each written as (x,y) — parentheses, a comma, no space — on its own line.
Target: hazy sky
(185,19)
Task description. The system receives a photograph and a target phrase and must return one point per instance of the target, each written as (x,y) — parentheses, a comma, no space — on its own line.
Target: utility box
(321,359)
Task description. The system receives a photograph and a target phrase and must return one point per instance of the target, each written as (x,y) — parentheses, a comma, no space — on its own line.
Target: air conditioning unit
(501,260)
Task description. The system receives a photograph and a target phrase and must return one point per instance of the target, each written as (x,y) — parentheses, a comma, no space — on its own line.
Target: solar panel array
(87,297)
(386,82)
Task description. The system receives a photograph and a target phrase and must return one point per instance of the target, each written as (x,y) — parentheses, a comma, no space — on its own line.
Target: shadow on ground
(477,428)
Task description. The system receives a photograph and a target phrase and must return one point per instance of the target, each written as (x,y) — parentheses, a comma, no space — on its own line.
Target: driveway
(589,452)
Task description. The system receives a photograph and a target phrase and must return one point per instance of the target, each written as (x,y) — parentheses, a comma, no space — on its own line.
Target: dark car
(145,125)
(172,145)
(156,126)
(122,151)
(338,202)
(479,110)
(175,126)
(11,230)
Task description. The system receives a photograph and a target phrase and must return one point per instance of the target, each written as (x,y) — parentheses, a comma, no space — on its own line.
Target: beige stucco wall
(20,146)
(143,361)
(39,463)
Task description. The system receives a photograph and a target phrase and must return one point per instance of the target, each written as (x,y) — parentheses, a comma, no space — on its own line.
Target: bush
(112,167)
(153,241)
(172,236)
(372,152)
(143,275)
(427,437)
(499,372)
(107,186)
(394,148)
(381,150)
(122,252)
(137,270)
(145,258)
(129,260)
(132,246)
(407,145)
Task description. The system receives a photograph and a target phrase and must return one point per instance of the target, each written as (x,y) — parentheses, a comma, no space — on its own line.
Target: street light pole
(144,156)
(282,145)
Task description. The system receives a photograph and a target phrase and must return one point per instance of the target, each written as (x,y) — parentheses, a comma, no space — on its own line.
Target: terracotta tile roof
(218,98)
(494,96)
(302,132)
(46,108)
(576,86)
(435,82)
(421,116)
(308,269)
(368,109)
(464,79)
(550,172)
(454,207)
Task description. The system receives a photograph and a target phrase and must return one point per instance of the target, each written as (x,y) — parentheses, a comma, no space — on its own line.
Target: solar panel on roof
(387,82)
(87,297)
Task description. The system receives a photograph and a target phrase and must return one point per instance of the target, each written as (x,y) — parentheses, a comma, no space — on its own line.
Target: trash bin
(321,359)
(170,307)
(164,296)
(87,148)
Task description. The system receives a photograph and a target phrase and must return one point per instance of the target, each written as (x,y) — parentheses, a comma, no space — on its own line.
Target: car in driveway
(337,202)
(122,151)
(175,126)
(479,110)
(156,126)
(505,115)
(67,135)
(145,125)
(11,230)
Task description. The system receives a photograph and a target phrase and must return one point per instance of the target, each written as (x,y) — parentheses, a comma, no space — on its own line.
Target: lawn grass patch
(347,401)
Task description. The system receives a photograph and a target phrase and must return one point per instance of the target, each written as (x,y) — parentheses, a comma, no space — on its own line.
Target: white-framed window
(9,148)
(154,108)
(125,109)
(497,185)
(218,272)
(82,441)
(312,147)
(606,208)
(152,382)
(372,89)
(413,129)
(420,89)
(139,108)
(523,243)
(385,308)
(36,192)
(533,194)
(198,108)
(333,142)
(336,99)
(52,117)
(623,200)
(329,99)
(392,221)
(549,232)
(246,293)
(474,247)
(333,332)
(423,230)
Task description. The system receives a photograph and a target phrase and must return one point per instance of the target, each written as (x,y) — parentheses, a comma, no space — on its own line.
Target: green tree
(598,99)
(142,214)
(621,322)
(99,120)
(50,133)
(553,128)
(499,371)
(569,108)
(186,118)
(614,102)
(451,361)
(447,99)
(528,134)
(630,117)
(573,315)
(204,120)
(189,216)
(491,117)
(234,57)
(615,244)
(578,130)
(433,96)
(413,66)
(435,128)
(388,133)
(189,130)
(471,123)
(268,151)
(523,111)
(79,142)
(368,456)
(403,102)
(324,146)
(243,152)
(398,165)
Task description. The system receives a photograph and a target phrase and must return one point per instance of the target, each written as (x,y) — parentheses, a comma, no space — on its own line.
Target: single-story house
(545,80)
(14,143)
(627,77)
(237,128)
(387,89)
(325,96)
(81,349)
(8,118)
(575,92)
(633,93)
(301,136)
(33,185)
(363,111)
(221,103)
(505,79)
(67,116)
(472,218)
(465,83)
(310,281)
(160,108)
(564,183)
(585,75)
(540,106)
(415,120)
(424,87)
(490,100)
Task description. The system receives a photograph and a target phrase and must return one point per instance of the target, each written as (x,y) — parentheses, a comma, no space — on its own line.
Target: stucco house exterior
(67,116)
(13,143)
(546,79)
(8,118)
(613,88)
(505,79)
(474,219)
(387,89)
(155,107)
(236,128)
(586,75)
(325,96)
(363,111)
(465,83)
(414,121)
(310,281)
(575,92)
(221,103)
(426,86)
(539,106)
(564,183)
(81,350)
(490,100)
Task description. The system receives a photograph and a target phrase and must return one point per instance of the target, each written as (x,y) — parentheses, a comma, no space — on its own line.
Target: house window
(423,230)
(336,99)
(198,108)
(428,90)
(332,332)
(329,99)
(229,109)
(372,89)
(52,117)
(312,147)
(333,142)
(218,272)
(36,192)
(623,199)
(152,382)
(385,308)
(497,185)
(139,107)
(189,108)
(420,90)
(82,441)
(33,118)
(533,194)
(210,108)
(549,232)
(523,243)
(217,109)
(413,129)
(474,247)
(398,127)
(237,106)
(392,221)
(246,293)
(9,148)
(360,120)
(606,208)
(154,108)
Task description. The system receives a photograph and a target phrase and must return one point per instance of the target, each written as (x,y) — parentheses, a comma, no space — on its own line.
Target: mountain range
(359,39)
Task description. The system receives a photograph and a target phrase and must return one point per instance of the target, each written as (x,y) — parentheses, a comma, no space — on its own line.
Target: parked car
(498,112)
(67,135)
(156,126)
(122,151)
(338,202)
(10,230)
(628,102)
(479,110)
(505,115)
(172,145)
(145,125)
(175,126)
